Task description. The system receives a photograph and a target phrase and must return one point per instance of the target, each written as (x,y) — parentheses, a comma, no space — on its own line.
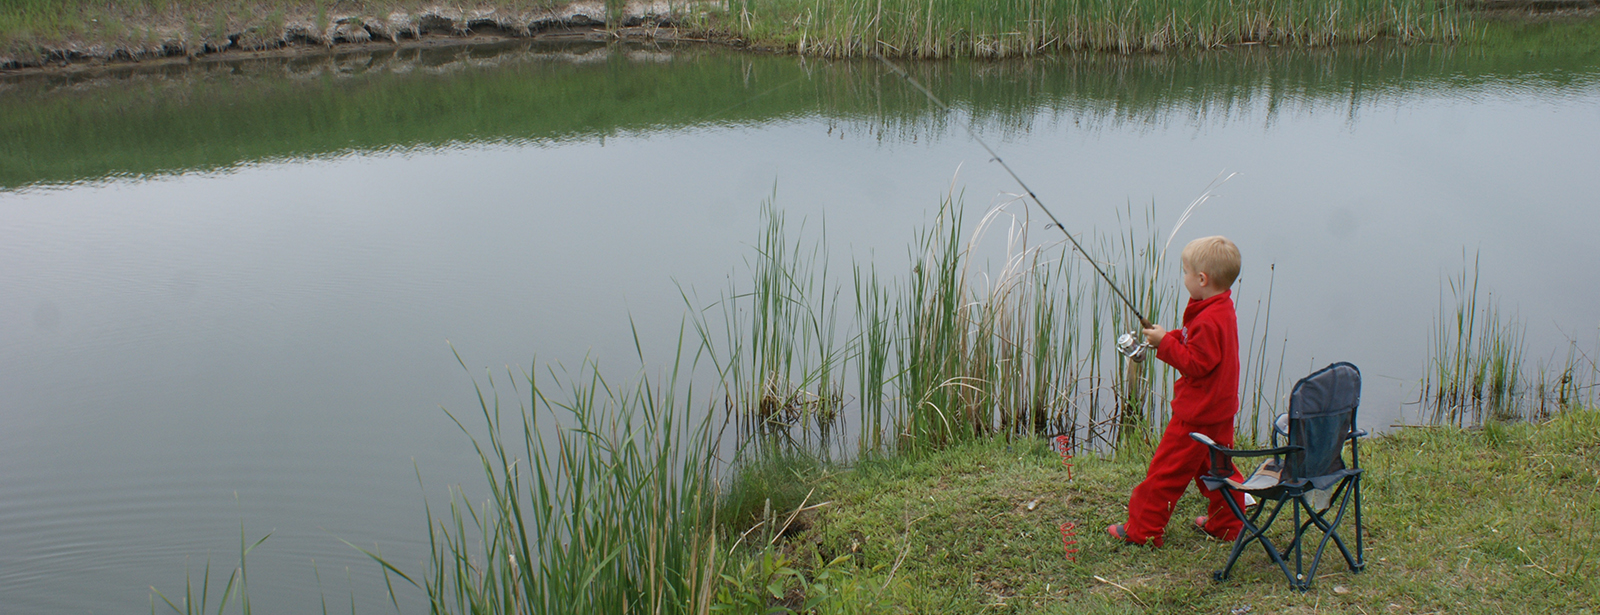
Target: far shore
(142,39)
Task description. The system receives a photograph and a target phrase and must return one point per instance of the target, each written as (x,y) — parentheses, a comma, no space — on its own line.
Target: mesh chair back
(1322,412)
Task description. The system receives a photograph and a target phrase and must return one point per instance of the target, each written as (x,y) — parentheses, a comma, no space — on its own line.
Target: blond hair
(1215,256)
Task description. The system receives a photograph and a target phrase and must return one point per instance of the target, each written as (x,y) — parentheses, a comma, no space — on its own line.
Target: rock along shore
(656,20)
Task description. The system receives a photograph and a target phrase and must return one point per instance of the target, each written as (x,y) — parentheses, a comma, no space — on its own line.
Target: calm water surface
(230,291)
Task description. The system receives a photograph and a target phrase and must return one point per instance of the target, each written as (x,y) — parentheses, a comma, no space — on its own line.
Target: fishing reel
(1132,345)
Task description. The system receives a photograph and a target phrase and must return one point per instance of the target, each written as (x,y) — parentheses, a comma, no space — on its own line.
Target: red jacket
(1206,354)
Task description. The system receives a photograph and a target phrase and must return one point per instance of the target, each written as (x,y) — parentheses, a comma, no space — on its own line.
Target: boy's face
(1197,282)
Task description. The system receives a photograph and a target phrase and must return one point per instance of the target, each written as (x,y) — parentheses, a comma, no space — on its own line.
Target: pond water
(231,289)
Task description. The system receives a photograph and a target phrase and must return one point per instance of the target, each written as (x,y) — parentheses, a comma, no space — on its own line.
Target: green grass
(1497,520)
(936,28)
(999,28)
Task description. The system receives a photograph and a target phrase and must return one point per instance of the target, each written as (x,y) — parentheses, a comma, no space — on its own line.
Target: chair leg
(1361,558)
(1246,533)
(1299,580)
(1330,530)
(1252,531)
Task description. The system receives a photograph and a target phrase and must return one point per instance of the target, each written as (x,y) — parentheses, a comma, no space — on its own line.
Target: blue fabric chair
(1309,475)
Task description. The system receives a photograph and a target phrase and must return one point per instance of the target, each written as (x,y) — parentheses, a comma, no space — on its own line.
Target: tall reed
(1572,384)
(602,499)
(959,347)
(1475,372)
(996,28)
(780,364)
(236,589)
(1253,372)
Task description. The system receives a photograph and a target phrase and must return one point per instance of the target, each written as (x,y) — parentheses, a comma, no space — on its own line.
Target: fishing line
(1143,322)
(753,98)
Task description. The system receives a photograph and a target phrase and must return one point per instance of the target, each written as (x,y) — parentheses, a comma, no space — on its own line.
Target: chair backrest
(1322,412)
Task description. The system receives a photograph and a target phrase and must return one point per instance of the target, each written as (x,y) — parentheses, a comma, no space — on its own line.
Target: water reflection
(138,121)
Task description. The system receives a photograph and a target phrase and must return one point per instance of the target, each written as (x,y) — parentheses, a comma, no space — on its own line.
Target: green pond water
(232,287)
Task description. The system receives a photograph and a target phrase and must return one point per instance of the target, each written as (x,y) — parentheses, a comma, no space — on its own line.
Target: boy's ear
(1205,278)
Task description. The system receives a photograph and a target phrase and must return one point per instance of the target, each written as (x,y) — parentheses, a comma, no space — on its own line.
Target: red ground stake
(1064,448)
(1069,530)
(1069,540)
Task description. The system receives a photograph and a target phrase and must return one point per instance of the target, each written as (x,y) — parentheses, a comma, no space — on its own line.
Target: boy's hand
(1154,334)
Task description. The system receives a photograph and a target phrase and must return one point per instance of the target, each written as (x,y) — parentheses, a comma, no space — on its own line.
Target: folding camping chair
(1308,474)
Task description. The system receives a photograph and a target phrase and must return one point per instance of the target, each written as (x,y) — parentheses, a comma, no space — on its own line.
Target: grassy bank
(35,31)
(990,28)
(1498,520)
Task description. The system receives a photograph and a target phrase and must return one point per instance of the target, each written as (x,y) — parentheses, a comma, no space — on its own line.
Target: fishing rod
(1129,344)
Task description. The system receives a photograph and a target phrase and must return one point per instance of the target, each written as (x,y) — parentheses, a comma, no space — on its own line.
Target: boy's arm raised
(1195,354)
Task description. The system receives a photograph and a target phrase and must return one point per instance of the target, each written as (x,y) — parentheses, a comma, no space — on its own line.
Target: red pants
(1178,460)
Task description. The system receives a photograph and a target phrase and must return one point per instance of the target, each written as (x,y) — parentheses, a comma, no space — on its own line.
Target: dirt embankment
(291,34)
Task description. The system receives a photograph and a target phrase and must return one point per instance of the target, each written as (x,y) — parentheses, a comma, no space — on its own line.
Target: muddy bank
(289,35)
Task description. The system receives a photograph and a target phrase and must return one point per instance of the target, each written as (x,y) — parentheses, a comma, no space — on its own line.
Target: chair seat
(1267,475)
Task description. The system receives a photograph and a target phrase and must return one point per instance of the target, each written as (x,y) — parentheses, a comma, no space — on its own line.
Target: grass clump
(601,500)
(950,351)
(997,28)
(1477,372)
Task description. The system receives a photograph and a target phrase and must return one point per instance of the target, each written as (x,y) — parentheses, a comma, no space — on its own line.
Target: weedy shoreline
(63,34)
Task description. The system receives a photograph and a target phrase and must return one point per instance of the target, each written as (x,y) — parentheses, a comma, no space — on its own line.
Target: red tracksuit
(1205,398)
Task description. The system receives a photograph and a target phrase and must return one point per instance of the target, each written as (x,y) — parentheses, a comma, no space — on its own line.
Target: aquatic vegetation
(991,28)
(1478,372)
(1253,377)
(236,589)
(957,348)
(602,499)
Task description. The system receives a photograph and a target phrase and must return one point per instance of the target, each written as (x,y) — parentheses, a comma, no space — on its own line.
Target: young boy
(1204,399)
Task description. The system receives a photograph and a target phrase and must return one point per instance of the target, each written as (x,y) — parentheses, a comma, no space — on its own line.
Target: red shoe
(1200,524)
(1119,532)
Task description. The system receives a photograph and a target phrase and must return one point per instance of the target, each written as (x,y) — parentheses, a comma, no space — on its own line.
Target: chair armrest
(1220,467)
(1203,439)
